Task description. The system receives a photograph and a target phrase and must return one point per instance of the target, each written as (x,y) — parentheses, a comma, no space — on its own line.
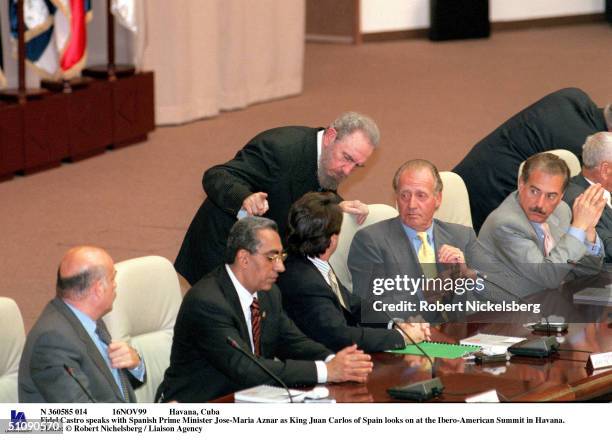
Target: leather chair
(455,206)
(12,340)
(144,313)
(378,212)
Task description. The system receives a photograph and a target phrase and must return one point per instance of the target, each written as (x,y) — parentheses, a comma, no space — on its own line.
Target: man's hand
(256,204)
(587,210)
(122,355)
(358,209)
(449,254)
(350,364)
(417,331)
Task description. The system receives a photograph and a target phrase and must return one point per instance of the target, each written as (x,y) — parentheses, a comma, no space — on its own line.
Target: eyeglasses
(272,258)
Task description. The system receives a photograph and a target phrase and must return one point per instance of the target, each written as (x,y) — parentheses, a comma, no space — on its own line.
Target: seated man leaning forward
(596,168)
(533,235)
(413,245)
(239,300)
(69,356)
(313,296)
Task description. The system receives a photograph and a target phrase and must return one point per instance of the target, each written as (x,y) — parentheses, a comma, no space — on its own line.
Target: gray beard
(325,181)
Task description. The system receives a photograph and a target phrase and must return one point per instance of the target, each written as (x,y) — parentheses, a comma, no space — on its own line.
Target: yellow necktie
(427,256)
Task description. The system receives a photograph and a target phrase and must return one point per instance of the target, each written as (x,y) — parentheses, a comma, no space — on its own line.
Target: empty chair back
(12,340)
(378,212)
(455,206)
(144,313)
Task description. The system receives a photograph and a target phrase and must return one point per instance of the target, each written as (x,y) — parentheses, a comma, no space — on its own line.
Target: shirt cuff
(592,248)
(578,234)
(242,214)
(321,371)
(139,371)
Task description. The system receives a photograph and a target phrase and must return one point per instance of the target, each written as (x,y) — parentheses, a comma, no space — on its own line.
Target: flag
(71,35)
(125,13)
(131,15)
(2,77)
(40,52)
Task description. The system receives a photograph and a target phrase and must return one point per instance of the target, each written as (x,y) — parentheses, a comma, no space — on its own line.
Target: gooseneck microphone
(232,343)
(70,372)
(420,391)
(412,341)
(543,347)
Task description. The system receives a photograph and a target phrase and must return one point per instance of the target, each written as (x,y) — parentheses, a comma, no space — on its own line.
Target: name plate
(486,397)
(600,360)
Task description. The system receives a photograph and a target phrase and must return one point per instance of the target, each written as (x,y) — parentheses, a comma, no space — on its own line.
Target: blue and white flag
(41,52)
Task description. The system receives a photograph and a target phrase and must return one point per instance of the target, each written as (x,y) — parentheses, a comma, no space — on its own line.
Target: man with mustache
(562,119)
(271,172)
(240,300)
(534,234)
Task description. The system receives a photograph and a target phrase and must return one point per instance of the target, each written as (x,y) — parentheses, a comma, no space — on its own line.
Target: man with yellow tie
(537,237)
(414,244)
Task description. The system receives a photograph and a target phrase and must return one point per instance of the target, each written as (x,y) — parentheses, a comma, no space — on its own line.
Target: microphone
(507,292)
(544,346)
(76,379)
(420,391)
(395,325)
(580,264)
(232,343)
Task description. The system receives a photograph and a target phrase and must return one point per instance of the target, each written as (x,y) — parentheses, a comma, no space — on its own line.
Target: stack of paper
(491,344)
(267,394)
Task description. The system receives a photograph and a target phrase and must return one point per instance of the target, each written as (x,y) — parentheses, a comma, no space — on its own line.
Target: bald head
(85,278)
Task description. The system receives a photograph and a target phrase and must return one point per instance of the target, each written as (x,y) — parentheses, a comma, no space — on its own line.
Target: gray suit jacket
(577,186)
(511,239)
(59,339)
(384,250)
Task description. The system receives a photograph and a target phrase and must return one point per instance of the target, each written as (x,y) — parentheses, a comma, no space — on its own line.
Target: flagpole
(111,70)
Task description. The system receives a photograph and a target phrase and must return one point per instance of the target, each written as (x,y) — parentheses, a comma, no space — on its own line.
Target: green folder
(438,350)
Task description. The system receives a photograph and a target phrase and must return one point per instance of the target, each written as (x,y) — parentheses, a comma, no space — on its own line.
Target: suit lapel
(230,294)
(92,349)
(405,255)
(515,207)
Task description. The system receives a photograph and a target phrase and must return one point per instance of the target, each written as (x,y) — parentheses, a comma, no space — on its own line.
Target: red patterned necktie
(256,325)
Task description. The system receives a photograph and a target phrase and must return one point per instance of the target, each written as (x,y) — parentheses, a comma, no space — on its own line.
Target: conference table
(564,376)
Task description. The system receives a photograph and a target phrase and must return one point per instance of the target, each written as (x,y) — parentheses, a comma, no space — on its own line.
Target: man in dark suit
(312,295)
(272,171)
(68,356)
(597,168)
(414,244)
(562,119)
(241,301)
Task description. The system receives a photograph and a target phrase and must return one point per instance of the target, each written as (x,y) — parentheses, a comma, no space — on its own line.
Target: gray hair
(350,122)
(77,286)
(597,149)
(243,235)
(417,164)
(608,116)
